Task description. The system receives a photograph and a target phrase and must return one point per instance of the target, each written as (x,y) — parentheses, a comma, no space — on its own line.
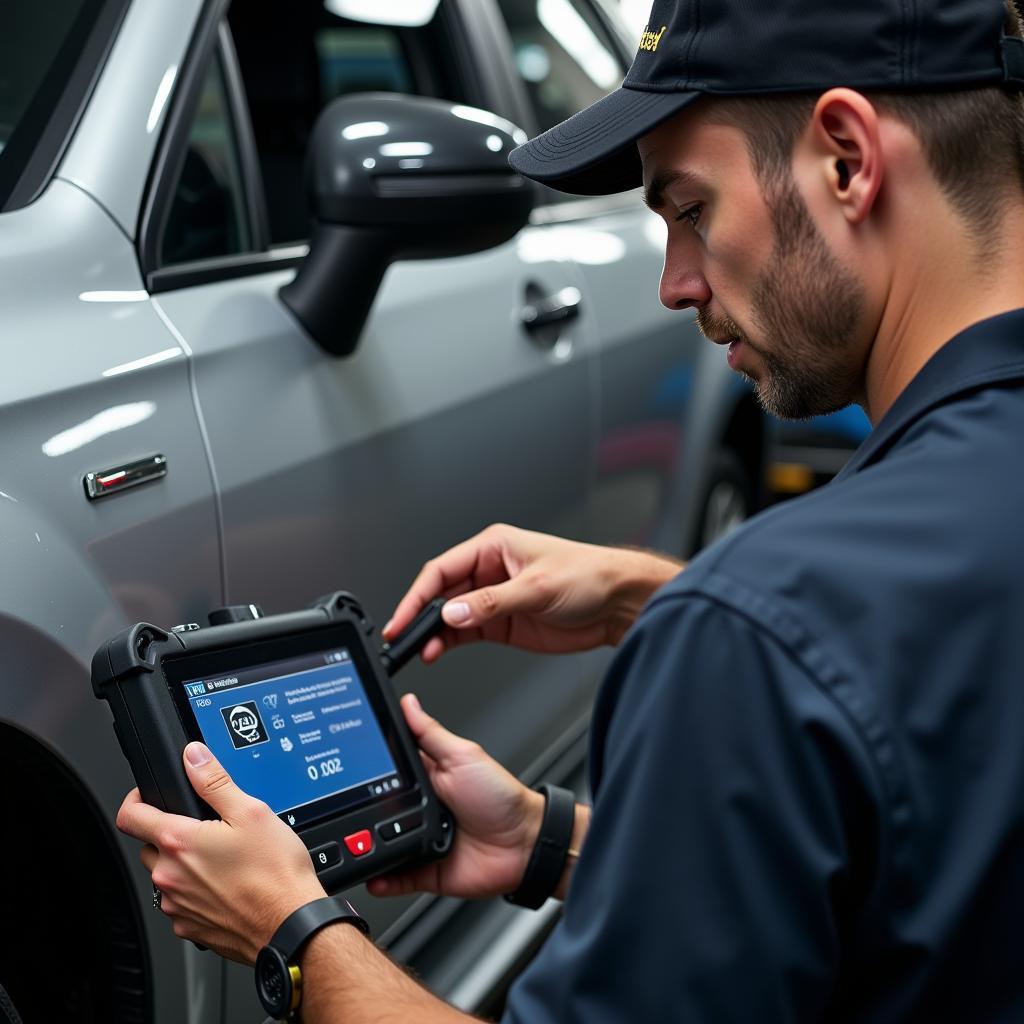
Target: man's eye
(691,214)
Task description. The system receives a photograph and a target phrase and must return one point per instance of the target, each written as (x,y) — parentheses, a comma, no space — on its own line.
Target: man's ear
(846,139)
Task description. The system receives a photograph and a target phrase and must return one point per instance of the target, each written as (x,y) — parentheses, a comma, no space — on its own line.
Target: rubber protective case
(128,673)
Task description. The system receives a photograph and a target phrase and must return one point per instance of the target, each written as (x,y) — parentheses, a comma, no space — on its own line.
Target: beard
(807,308)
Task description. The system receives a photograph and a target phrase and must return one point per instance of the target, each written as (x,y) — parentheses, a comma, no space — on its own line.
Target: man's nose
(682,286)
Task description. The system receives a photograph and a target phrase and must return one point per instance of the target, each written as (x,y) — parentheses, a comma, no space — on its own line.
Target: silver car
(183,426)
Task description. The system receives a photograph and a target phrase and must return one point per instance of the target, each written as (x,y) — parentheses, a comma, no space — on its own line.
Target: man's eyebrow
(654,193)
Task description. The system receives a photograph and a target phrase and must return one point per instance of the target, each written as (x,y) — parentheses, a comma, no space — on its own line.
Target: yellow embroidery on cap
(649,40)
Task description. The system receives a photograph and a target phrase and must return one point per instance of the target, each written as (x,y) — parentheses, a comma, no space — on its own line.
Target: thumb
(213,784)
(478,607)
(431,736)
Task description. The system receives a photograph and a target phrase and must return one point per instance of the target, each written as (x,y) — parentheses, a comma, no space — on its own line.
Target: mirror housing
(398,177)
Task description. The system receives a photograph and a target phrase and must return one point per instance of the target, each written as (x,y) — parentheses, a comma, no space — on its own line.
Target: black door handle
(555,309)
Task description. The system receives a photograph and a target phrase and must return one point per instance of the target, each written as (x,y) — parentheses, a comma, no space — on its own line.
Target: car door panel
(351,472)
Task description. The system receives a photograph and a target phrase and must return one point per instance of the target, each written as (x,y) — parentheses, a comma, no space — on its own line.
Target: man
(808,757)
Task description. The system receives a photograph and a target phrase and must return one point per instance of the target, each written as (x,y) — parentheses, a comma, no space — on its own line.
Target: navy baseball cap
(694,48)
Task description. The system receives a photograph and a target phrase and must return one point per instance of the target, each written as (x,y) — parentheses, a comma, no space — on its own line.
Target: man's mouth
(735,351)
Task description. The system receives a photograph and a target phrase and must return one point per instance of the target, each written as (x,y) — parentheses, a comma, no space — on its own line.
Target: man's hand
(227,884)
(533,591)
(497,817)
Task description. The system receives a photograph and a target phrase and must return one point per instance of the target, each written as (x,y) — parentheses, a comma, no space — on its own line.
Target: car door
(348,473)
(566,55)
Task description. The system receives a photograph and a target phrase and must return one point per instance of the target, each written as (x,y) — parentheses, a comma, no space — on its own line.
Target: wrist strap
(302,924)
(544,868)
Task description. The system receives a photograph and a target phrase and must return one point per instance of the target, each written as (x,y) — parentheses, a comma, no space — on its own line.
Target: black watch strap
(544,868)
(302,924)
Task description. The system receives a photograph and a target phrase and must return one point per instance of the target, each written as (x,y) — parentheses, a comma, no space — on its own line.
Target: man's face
(752,261)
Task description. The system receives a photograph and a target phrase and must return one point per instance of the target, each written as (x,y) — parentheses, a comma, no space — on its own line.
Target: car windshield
(40,46)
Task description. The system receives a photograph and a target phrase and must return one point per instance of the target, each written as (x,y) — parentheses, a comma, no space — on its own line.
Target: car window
(563,54)
(296,58)
(360,60)
(40,45)
(207,215)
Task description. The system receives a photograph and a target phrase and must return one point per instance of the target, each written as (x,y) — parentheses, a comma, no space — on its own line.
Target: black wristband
(544,868)
(302,924)
(277,975)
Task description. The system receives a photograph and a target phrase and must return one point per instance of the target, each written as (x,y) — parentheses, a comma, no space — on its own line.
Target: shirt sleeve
(731,837)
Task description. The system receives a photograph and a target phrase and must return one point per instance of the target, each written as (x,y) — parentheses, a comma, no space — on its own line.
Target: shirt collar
(985,353)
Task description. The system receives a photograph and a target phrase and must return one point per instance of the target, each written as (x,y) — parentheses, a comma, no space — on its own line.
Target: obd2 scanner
(299,710)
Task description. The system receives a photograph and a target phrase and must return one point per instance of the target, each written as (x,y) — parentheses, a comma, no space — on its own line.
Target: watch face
(273,982)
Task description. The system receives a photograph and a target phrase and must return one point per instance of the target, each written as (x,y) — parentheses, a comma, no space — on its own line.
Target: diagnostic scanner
(299,709)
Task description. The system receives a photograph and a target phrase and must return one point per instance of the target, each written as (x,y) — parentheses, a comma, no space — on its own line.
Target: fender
(55,609)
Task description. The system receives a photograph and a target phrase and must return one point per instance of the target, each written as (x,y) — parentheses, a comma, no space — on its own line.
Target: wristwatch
(278,976)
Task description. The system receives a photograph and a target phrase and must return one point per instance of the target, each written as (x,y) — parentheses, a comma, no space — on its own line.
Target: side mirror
(398,177)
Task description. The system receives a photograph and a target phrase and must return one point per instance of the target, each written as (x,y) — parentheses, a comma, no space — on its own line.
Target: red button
(359,843)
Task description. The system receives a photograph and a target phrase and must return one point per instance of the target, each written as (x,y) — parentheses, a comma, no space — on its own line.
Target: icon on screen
(286,744)
(270,701)
(244,725)
(277,722)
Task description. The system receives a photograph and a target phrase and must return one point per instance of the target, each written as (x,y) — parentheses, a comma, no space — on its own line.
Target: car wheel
(71,947)
(727,500)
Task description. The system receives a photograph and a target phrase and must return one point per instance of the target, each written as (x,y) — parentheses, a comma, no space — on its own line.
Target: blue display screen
(296,733)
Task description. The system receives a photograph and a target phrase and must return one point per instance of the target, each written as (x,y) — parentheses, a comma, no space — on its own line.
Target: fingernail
(198,754)
(387,626)
(415,702)
(455,612)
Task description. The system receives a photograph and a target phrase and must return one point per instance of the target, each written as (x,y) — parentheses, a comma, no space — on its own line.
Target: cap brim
(594,152)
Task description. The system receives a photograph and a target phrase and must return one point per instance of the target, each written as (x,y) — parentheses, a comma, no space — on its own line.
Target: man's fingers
(476,608)
(431,737)
(213,784)
(447,574)
(143,821)
(433,650)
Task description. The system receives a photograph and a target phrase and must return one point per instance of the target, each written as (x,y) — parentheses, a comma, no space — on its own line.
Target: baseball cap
(693,48)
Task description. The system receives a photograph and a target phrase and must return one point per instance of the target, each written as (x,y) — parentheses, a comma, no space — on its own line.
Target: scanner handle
(413,638)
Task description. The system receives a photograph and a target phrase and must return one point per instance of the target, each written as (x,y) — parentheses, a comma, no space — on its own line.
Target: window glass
(296,58)
(208,213)
(563,55)
(360,60)
(40,44)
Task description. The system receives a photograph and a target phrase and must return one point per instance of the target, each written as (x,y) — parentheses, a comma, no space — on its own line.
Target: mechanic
(807,761)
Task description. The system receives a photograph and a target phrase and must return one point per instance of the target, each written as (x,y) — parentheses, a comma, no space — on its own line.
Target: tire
(726,501)
(71,947)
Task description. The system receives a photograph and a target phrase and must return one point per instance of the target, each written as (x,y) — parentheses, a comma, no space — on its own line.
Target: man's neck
(944,282)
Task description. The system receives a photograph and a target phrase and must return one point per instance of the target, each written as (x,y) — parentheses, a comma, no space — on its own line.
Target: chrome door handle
(120,478)
(556,309)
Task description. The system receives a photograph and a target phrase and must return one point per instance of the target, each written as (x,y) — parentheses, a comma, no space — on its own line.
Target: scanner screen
(299,734)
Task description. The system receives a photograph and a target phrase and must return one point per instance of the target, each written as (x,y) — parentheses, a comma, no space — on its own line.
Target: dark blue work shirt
(808,758)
